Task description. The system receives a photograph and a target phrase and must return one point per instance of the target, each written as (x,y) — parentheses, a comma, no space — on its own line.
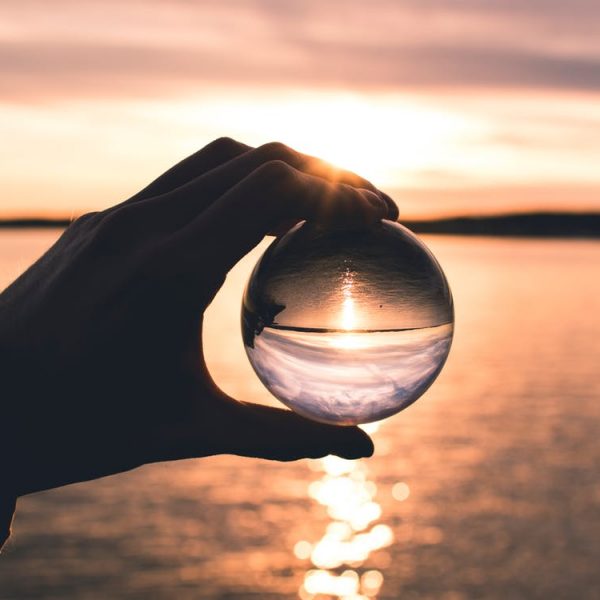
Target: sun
(385,140)
(389,139)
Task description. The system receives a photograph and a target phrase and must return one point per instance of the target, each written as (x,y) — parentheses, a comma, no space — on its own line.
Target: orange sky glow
(469,107)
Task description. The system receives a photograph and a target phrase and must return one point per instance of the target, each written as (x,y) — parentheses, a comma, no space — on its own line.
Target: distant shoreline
(546,224)
(555,225)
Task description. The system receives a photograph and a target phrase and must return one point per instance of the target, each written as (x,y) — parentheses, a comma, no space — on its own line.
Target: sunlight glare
(384,137)
(350,539)
(348,316)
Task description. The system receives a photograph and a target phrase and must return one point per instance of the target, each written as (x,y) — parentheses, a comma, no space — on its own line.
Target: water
(487,487)
(342,377)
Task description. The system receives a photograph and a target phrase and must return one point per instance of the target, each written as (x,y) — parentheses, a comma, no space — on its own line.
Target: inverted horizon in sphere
(347,327)
(347,378)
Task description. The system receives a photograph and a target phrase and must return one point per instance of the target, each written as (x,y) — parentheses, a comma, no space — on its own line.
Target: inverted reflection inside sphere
(347,326)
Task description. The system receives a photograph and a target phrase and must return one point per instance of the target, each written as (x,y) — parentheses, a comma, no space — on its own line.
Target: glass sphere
(347,326)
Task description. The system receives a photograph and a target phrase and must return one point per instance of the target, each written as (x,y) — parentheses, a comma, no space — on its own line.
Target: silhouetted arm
(108,323)
(7,509)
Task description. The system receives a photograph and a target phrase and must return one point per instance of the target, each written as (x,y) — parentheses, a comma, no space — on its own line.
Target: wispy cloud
(164,48)
(90,69)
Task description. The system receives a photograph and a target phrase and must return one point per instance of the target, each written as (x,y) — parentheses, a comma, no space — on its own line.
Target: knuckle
(278,151)
(117,227)
(85,220)
(275,173)
(225,145)
(81,228)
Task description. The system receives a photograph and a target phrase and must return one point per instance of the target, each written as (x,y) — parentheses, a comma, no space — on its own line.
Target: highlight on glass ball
(347,326)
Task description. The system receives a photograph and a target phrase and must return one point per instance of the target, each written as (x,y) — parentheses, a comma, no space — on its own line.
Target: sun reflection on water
(351,536)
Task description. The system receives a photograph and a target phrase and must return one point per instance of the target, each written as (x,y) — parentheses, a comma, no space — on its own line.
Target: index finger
(273,194)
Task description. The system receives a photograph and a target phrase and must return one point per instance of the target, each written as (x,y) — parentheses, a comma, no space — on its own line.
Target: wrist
(17,387)
(8,495)
(7,510)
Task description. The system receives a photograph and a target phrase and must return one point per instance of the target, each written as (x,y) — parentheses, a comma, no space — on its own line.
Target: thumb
(279,434)
(253,430)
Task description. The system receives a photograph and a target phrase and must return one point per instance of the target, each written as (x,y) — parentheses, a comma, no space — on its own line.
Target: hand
(101,339)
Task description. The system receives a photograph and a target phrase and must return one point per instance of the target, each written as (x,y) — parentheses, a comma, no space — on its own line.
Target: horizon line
(27,221)
(540,224)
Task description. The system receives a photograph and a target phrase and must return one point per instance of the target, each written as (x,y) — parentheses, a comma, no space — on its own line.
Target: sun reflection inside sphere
(348,316)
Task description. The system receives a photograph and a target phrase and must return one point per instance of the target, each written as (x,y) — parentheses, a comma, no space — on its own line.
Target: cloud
(47,70)
(121,49)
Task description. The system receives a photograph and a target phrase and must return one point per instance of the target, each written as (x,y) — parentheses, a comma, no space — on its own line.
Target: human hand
(101,339)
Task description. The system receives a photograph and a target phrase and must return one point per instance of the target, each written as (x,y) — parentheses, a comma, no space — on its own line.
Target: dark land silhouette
(559,224)
(543,224)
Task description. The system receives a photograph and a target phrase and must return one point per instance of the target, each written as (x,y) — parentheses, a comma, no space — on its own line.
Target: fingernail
(359,447)
(392,206)
(376,201)
(367,449)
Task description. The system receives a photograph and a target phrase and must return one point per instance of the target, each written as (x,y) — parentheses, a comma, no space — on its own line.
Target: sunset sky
(453,107)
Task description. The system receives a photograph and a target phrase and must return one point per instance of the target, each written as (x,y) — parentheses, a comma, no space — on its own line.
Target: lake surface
(487,487)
